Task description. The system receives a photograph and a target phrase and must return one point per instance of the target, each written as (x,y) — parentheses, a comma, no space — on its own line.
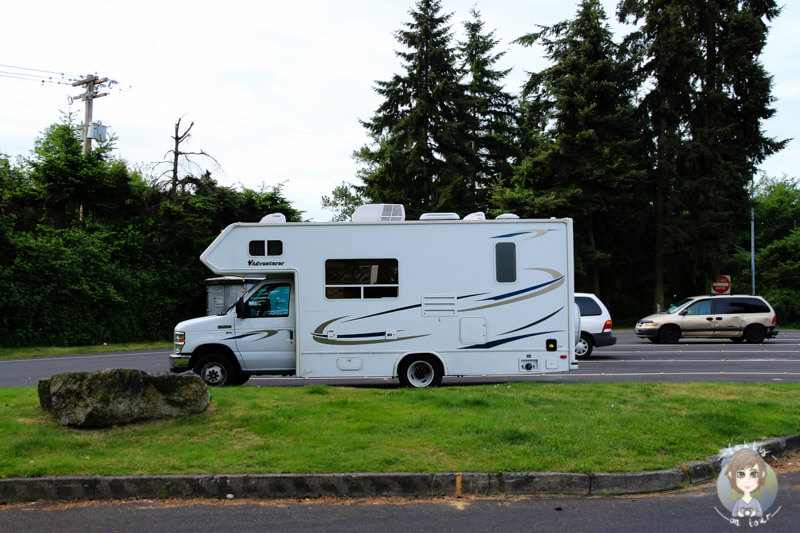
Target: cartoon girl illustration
(747,472)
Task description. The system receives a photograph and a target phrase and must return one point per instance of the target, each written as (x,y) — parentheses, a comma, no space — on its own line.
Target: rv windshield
(678,306)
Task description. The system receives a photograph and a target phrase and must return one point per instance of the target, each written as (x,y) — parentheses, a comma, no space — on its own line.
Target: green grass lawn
(587,428)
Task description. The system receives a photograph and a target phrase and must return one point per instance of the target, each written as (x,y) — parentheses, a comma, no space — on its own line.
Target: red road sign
(722,285)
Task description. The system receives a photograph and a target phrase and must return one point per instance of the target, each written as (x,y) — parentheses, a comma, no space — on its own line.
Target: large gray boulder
(120,396)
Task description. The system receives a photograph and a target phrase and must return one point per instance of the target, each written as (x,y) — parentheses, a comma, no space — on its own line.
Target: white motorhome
(384,297)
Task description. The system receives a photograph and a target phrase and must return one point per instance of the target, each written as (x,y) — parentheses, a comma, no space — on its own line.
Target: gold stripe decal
(337,342)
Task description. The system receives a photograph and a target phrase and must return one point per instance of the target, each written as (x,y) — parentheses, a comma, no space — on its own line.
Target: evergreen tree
(583,158)
(420,154)
(707,96)
(490,109)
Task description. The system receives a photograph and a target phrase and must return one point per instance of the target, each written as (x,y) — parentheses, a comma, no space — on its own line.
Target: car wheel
(583,348)
(215,370)
(754,334)
(737,340)
(669,334)
(420,371)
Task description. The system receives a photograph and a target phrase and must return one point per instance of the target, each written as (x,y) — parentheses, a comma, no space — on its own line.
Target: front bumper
(646,331)
(179,362)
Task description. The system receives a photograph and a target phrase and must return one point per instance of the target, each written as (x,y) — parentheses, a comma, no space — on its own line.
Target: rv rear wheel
(420,371)
(215,370)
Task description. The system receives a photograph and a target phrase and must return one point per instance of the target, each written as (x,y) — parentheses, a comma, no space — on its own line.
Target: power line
(35,74)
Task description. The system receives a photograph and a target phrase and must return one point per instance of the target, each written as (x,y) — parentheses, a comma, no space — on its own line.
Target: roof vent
(506,216)
(379,213)
(274,218)
(476,216)
(440,216)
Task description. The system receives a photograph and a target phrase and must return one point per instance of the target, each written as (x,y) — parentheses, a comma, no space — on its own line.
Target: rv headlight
(180,340)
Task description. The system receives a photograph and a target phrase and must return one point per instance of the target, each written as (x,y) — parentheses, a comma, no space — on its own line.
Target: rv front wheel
(215,370)
(420,371)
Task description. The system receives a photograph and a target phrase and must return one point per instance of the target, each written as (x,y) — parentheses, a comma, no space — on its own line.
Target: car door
(265,328)
(697,320)
(730,317)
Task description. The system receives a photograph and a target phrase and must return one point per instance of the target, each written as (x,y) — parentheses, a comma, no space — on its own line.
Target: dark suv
(739,318)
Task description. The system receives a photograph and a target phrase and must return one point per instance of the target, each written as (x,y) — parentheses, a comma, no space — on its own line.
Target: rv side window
(361,278)
(261,248)
(505,259)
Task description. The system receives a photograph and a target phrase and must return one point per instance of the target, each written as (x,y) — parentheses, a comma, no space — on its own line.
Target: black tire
(216,370)
(420,371)
(241,379)
(584,346)
(669,334)
(754,334)
(737,340)
(654,340)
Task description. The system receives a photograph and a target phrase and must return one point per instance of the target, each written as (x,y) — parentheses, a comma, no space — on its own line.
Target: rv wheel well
(220,349)
(423,369)
(416,355)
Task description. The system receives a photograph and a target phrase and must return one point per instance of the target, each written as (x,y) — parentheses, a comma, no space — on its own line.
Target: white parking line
(721,360)
(633,374)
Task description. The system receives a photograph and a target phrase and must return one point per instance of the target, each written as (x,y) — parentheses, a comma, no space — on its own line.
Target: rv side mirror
(241,309)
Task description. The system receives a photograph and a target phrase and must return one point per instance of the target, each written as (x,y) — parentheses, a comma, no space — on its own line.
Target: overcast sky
(275,89)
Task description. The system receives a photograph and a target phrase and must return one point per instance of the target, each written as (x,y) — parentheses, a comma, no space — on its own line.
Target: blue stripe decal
(522,291)
(244,336)
(533,323)
(499,342)
(506,236)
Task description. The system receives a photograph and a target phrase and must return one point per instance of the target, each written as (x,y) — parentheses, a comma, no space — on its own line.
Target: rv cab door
(265,328)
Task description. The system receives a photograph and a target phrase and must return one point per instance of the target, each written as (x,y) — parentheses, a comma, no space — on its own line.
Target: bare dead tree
(174,156)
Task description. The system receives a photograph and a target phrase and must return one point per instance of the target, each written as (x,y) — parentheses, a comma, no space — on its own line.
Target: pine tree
(706,99)
(582,157)
(419,155)
(490,108)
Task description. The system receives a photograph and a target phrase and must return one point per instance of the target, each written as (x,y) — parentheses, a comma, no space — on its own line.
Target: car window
(588,306)
(701,307)
(678,306)
(729,306)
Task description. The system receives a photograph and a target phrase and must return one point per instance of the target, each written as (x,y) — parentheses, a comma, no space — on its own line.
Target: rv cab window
(270,300)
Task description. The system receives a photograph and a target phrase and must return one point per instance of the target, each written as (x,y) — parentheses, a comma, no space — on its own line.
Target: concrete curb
(365,485)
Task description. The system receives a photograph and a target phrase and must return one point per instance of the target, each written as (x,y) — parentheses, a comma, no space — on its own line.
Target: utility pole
(92,85)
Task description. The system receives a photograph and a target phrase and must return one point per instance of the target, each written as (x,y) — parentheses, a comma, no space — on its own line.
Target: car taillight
(607,327)
(774,319)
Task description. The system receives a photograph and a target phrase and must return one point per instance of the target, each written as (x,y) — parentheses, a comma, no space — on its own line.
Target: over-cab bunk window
(361,278)
(505,260)
(262,248)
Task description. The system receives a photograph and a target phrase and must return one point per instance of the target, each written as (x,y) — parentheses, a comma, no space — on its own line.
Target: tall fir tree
(490,108)
(419,155)
(705,100)
(582,160)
